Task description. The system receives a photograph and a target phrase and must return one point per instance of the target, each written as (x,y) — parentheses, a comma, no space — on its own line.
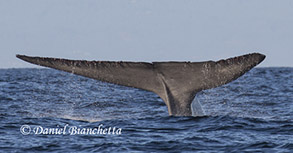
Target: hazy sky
(146,30)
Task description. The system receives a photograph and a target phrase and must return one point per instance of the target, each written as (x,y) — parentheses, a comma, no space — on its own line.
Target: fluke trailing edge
(175,82)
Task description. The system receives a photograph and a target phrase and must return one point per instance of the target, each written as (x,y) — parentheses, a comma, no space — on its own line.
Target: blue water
(253,113)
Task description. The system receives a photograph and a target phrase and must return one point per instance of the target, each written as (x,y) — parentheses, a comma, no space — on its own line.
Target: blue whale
(175,82)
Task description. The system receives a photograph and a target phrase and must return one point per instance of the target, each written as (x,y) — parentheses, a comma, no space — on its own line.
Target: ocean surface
(45,110)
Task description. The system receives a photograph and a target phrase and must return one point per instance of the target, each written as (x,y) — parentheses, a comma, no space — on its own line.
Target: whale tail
(175,82)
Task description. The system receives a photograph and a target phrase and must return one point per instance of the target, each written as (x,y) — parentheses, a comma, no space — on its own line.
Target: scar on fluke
(175,82)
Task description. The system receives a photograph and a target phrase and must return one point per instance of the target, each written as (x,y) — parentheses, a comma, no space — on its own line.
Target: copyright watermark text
(69,130)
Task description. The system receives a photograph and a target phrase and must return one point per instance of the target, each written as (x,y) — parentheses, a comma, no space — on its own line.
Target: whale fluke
(175,82)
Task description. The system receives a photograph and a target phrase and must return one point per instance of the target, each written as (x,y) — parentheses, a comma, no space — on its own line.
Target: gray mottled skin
(175,82)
